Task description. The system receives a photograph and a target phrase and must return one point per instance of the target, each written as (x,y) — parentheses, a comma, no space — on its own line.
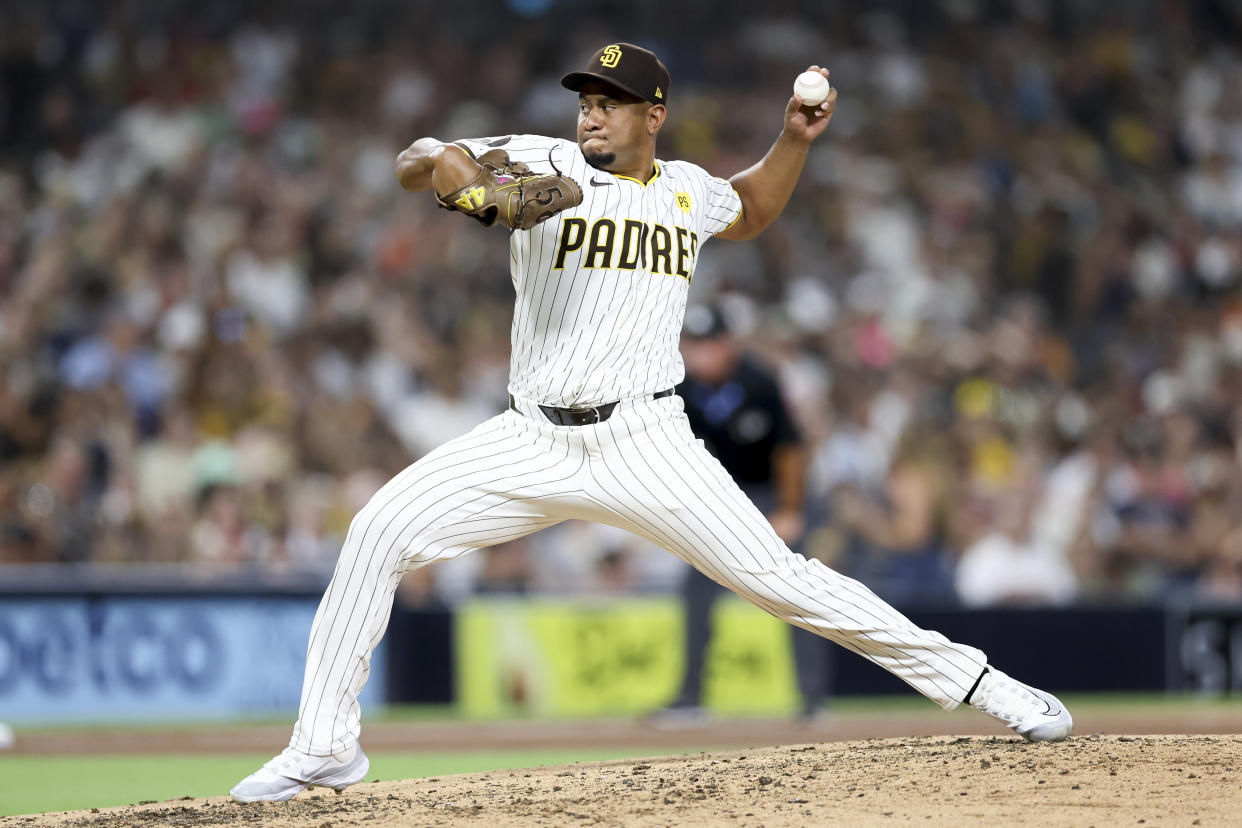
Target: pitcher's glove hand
(511,193)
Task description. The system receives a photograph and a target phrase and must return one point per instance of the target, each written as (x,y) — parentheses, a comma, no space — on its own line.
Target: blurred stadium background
(1005,304)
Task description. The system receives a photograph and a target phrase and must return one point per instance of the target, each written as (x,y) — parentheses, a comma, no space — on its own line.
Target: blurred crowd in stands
(1005,301)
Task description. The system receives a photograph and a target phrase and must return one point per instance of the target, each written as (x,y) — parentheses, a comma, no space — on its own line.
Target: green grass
(904,703)
(41,784)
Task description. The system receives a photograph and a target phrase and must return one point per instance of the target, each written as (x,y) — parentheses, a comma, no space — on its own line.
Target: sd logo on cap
(611,56)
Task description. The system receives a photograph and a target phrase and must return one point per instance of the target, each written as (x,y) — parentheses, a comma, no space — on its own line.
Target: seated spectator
(901,540)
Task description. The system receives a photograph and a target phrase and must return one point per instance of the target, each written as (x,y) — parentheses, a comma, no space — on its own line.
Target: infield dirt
(936,781)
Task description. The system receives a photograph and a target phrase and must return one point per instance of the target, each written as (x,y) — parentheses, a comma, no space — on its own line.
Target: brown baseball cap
(626,66)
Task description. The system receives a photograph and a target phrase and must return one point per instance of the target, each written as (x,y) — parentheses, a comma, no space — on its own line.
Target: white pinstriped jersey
(601,289)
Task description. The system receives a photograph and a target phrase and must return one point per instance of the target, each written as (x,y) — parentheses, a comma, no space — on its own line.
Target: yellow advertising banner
(617,657)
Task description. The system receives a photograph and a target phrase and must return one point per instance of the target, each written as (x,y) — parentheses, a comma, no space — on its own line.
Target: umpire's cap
(626,66)
(705,322)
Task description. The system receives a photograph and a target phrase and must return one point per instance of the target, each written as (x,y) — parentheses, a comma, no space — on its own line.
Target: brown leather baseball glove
(511,193)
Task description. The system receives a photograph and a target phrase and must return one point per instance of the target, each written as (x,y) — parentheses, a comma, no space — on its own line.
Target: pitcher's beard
(599,160)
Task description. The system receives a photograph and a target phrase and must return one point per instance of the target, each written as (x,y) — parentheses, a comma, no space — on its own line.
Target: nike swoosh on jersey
(595,183)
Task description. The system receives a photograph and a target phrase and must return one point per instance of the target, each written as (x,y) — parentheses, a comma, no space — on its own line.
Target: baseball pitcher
(603,238)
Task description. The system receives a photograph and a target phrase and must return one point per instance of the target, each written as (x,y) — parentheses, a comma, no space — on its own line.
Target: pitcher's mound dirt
(942,781)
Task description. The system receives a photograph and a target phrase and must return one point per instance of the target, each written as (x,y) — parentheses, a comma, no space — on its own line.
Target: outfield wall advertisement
(619,657)
(108,658)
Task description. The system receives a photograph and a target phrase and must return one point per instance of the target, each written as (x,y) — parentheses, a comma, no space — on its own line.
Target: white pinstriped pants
(642,470)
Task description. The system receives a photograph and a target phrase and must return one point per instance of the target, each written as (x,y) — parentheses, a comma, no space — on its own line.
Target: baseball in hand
(812,87)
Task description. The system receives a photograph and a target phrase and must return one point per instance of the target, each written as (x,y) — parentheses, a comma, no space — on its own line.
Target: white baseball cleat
(293,771)
(1035,715)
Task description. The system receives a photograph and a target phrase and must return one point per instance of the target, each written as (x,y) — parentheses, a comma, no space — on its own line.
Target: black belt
(583,416)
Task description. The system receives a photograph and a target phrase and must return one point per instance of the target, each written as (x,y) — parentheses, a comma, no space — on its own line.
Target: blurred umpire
(735,407)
